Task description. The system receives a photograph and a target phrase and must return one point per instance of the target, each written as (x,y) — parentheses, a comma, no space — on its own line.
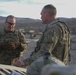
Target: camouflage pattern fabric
(36,67)
(56,40)
(11,46)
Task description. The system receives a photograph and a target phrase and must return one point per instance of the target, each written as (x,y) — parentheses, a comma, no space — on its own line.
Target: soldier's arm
(22,40)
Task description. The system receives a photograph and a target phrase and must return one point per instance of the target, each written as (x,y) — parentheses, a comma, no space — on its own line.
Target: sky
(32,8)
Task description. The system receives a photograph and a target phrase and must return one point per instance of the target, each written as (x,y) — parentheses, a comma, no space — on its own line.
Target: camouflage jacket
(36,67)
(14,36)
(55,39)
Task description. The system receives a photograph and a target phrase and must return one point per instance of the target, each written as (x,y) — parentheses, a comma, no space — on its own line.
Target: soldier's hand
(10,46)
(15,44)
(19,63)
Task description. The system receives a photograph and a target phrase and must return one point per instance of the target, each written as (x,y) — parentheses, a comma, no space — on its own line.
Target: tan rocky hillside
(36,24)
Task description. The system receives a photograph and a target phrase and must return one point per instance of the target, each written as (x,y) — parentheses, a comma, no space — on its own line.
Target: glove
(20,47)
(15,45)
(19,63)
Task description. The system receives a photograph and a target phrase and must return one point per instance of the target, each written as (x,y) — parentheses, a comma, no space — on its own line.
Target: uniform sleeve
(22,40)
(49,41)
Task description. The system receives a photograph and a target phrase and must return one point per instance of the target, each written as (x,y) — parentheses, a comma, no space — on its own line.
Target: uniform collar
(51,23)
(8,31)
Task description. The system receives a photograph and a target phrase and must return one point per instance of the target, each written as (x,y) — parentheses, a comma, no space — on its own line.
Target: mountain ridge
(36,24)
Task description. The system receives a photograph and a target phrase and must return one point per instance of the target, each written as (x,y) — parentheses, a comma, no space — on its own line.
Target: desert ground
(32,45)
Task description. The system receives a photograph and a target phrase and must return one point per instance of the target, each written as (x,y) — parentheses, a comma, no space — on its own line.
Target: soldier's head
(10,23)
(48,13)
(58,70)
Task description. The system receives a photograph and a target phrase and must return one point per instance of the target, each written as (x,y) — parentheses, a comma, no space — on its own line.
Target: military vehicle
(11,70)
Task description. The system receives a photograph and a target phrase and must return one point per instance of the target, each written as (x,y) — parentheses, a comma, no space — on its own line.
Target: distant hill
(25,23)
(36,24)
(71,23)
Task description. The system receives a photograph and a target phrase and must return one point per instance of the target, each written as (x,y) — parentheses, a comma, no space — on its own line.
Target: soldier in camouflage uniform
(36,67)
(55,38)
(12,42)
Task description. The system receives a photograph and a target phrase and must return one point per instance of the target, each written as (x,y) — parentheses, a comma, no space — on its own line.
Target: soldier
(12,42)
(36,67)
(55,38)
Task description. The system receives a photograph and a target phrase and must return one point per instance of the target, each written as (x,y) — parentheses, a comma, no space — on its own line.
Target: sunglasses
(10,23)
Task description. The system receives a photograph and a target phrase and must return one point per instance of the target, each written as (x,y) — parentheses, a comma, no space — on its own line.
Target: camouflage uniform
(56,40)
(36,67)
(11,45)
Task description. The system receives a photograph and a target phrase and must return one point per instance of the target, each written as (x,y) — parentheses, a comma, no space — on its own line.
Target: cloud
(41,1)
(32,8)
(28,2)
(3,12)
(7,0)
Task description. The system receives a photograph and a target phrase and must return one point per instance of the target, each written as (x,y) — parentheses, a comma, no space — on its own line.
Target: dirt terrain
(32,44)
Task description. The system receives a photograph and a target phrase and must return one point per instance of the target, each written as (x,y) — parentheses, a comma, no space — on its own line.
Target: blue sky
(32,8)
